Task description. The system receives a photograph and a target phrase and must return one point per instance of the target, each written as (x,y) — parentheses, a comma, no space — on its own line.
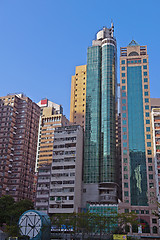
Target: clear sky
(41,41)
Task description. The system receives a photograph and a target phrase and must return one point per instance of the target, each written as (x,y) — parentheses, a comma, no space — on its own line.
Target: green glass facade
(93,123)
(100,139)
(108,111)
(138,175)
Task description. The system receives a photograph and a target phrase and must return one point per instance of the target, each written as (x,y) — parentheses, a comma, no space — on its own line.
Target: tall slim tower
(78,96)
(138,170)
(100,134)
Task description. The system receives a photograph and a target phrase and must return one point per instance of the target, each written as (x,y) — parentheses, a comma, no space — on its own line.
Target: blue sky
(41,41)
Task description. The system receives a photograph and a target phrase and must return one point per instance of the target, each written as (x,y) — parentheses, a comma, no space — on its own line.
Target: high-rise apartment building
(19,119)
(78,96)
(155,113)
(66,171)
(51,117)
(138,168)
(99,175)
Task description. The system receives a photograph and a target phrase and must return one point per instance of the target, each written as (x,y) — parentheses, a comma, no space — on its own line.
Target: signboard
(119,236)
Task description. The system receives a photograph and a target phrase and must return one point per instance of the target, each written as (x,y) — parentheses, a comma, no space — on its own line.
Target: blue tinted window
(146,100)
(123,62)
(147,107)
(123,74)
(148,136)
(139,61)
(123,80)
(124,122)
(123,108)
(148,144)
(147,114)
(145,73)
(144,60)
(150,160)
(123,94)
(145,67)
(123,68)
(149,152)
(145,79)
(124,115)
(123,101)
(123,87)
(124,144)
(124,152)
(150,176)
(145,86)
(145,93)
(148,129)
(124,137)
(124,129)
(147,121)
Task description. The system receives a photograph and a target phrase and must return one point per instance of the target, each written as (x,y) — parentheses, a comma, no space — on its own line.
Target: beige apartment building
(51,118)
(78,96)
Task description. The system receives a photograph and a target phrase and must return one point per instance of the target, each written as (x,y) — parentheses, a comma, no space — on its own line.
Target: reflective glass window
(125,160)
(145,79)
(146,100)
(123,62)
(126,193)
(148,136)
(123,80)
(145,86)
(147,114)
(124,129)
(125,176)
(123,87)
(123,68)
(144,60)
(148,144)
(139,61)
(123,74)
(147,107)
(124,144)
(149,152)
(147,121)
(123,94)
(145,67)
(123,108)
(149,160)
(150,168)
(124,115)
(146,94)
(145,73)
(125,185)
(124,122)
(148,129)
(123,101)
(124,152)
(124,137)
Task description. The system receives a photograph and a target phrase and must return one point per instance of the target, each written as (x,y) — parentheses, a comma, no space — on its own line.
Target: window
(125,168)
(123,68)
(149,152)
(123,80)
(125,160)
(123,62)
(123,94)
(150,168)
(144,60)
(145,93)
(147,212)
(148,129)
(145,73)
(125,176)
(148,144)
(147,121)
(154,220)
(124,144)
(149,160)
(126,185)
(123,101)
(123,108)
(148,136)
(124,129)
(145,67)
(145,86)
(145,79)
(124,152)
(123,87)
(147,114)
(139,61)
(123,74)
(124,137)
(126,193)
(146,100)
(126,210)
(124,122)
(151,185)
(142,211)
(123,115)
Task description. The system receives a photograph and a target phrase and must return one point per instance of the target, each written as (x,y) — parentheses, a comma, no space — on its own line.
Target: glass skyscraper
(99,175)
(138,178)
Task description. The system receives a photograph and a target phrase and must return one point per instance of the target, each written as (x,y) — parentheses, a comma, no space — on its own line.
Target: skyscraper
(100,128)
(78,96)
(138,170)
(19,119)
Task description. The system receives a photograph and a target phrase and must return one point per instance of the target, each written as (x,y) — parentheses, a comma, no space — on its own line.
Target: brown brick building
(19,120)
